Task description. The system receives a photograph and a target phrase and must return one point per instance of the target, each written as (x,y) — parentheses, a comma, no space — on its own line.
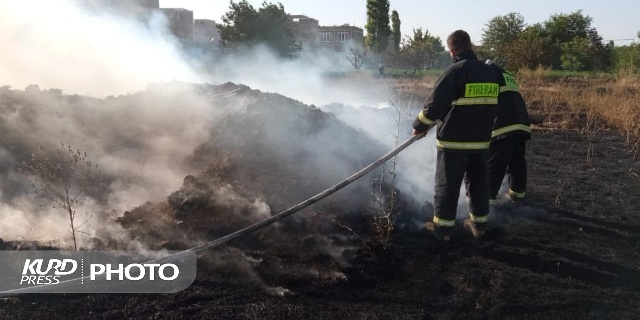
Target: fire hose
(263,223)
(308,202)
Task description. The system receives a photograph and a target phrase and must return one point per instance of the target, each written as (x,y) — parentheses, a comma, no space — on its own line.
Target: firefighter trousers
(451,169)
(507,156)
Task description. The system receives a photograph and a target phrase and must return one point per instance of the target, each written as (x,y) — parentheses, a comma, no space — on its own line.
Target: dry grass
(418,88)
(588,103)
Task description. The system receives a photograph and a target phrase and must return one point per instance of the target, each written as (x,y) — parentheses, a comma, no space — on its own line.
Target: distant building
(205,30)
(312,36)
(341,38)
(180,22)
(305,31)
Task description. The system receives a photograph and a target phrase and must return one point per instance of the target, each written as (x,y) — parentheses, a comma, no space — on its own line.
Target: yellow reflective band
(507,88)
(462,145)
(481,90)
(424,119)
(477,219)
(517,194)
(510,128)
(510,81)
(474,101)
(493,202)
(443,223)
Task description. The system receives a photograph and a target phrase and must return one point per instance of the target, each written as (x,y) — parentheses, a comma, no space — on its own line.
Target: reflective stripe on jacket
(512,118)
(464,104)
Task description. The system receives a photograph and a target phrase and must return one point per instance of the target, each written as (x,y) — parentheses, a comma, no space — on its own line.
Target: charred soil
(571,251)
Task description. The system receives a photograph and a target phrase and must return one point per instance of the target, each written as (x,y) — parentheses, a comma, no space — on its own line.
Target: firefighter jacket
(512,118)
(464,104)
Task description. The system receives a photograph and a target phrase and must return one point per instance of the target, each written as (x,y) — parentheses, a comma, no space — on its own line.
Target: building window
(343,36)
(325,37)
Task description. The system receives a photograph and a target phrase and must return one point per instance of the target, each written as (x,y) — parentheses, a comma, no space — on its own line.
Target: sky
(614,19)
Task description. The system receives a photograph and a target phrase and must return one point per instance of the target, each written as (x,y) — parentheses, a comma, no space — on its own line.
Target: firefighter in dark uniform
(463,105)
(508,140)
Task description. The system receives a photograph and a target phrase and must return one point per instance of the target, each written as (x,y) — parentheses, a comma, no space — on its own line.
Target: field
(572,251)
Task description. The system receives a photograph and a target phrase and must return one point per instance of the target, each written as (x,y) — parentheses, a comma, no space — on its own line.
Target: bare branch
(63,179)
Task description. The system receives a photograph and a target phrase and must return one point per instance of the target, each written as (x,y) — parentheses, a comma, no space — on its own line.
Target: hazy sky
(614,19)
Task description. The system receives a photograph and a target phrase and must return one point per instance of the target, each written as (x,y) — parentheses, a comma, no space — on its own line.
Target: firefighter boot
(439,232)
(476,229)
(516,197)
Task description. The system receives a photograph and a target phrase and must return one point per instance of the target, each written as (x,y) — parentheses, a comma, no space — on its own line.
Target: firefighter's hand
(420,134)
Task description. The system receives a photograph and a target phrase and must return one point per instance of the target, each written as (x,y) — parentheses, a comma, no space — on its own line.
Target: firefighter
(463,105)
(508,140)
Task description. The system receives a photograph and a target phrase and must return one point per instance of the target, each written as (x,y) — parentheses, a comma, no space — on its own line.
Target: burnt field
(572,251)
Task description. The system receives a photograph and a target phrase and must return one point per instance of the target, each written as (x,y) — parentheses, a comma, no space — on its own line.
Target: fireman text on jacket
(481,90)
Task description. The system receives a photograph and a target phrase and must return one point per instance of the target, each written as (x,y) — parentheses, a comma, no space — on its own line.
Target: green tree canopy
(563,28)
(566,41)
(378,30)
(576,43)
(502,30)
(244,26)
(529,50)
(395,30)
(421,50)
(628,57)
(575,54)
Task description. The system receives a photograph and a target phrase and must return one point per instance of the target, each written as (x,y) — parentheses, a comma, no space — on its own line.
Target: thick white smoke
(140,139)
(313,78)
(59,44)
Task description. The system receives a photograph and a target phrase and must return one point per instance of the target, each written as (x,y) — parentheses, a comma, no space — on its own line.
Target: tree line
(563,42)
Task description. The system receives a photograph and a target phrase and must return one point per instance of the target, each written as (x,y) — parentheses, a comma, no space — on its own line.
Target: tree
(239,24)
(601,55)
(442,60)
(530,50)
(503,30)
(628,58)
(563,28)
(65,179)
(575,54)
(244,26)
(421,50)
(564,41)
(378,30)
(395,30)
(568,33)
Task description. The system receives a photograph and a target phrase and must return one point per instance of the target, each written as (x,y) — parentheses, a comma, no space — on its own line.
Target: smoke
(59,44)
(187,160)
(390,124)
(142,139)
(361,101)
(139,140)
(313,78)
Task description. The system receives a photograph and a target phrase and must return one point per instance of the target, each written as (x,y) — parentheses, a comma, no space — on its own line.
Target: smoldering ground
(138,139)
(251,150)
